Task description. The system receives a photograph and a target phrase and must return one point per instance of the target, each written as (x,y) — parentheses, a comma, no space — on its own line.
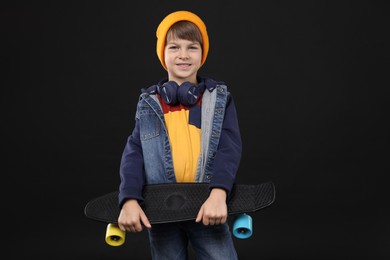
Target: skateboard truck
(242,229)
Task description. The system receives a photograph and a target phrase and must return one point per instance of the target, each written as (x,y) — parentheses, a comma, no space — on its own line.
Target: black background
(310,81)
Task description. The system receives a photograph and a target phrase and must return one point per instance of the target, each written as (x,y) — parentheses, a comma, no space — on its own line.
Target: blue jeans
(170,241)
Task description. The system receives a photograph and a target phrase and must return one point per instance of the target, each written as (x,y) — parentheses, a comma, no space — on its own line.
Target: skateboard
(173,202)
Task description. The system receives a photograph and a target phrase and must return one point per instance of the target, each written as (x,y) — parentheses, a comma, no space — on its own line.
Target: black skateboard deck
(164,203)
(181,201)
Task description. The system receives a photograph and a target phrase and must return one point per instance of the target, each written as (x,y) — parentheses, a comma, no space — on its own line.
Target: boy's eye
(172,47)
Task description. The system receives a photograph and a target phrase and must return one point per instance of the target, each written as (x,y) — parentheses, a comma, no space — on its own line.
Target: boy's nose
(183,54)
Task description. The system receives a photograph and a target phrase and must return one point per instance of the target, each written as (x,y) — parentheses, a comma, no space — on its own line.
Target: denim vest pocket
(150,125)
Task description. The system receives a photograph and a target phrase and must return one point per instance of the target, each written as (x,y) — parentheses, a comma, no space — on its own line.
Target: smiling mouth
(183,66)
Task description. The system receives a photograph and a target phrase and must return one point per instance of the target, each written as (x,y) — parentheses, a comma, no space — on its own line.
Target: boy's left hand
(214,209)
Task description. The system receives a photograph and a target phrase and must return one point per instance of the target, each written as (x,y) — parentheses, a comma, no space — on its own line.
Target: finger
(145,221)
(200,215)
(132,229)
(121,227)
(137,227)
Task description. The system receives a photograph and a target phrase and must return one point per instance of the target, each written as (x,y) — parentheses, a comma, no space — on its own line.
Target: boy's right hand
(132,217)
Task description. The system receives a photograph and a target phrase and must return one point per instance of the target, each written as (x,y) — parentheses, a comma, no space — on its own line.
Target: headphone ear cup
(188,94)
(168,92)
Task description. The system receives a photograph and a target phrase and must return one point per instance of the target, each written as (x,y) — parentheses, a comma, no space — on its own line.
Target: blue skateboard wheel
(242,227)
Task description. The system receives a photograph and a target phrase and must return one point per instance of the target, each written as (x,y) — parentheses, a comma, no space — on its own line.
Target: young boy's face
(183,59)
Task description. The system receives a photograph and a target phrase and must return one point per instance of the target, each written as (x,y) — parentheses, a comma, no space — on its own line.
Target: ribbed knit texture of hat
(172,18)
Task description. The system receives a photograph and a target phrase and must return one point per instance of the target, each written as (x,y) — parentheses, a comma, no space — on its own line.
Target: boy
(186,130)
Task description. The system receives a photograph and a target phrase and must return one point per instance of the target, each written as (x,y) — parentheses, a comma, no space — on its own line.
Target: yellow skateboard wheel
(114,235)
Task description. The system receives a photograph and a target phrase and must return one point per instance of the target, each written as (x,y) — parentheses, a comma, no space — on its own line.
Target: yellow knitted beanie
(172,18)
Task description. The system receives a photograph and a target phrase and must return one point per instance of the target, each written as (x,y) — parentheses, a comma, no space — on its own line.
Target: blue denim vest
(156,147)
